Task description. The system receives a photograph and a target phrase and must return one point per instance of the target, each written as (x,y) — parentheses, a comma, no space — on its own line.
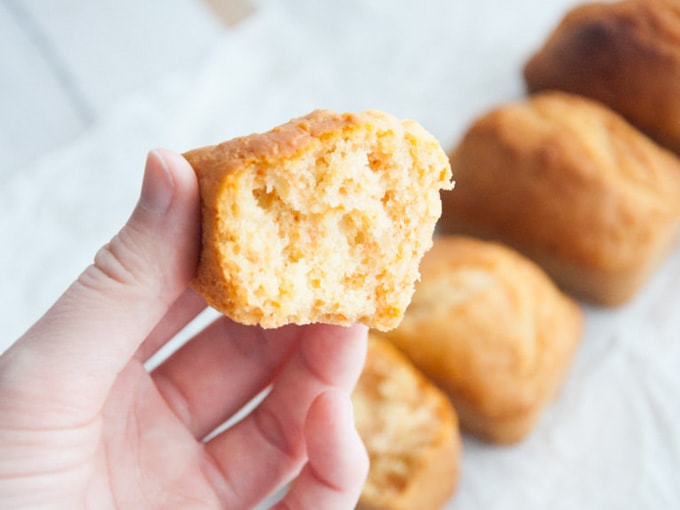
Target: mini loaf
(410,431)
(572,185)
(491,329)
(624,54)
(323,219)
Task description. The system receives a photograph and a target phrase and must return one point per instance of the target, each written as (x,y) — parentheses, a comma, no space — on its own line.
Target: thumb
(77,349)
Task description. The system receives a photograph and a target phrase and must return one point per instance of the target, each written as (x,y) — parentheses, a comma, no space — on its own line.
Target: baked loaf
(492,330)
(410,431)
(572,185)
(322,219)
(624,54)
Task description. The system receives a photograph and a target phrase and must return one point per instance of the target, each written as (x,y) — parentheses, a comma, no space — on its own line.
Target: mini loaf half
(410,431)
(322,219)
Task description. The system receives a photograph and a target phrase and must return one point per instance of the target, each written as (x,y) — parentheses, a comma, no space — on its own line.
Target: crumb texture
(323,219)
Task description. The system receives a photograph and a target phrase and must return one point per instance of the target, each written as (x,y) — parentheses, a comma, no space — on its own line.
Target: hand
(83,424)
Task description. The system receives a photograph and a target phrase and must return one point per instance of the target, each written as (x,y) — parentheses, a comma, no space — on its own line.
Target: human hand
(83,424)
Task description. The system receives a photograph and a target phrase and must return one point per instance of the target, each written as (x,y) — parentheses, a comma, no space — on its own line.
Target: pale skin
(83,424)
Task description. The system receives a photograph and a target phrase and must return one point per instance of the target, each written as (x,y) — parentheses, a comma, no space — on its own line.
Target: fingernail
(158,185)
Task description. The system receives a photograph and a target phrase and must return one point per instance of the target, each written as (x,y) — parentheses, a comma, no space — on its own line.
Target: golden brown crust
(572,185)
(322,219)
(410,431)
(624,54)
(492,330)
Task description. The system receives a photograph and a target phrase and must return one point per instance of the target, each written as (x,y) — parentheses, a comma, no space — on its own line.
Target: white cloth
(610,440)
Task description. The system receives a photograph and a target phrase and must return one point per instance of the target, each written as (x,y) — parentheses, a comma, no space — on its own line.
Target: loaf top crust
(322,219)
(624,54)
(567,177)
(490,327)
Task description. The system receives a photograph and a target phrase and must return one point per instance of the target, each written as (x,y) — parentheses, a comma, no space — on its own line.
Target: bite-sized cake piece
(569,183)
(624,54)
(492,330)
(410,431)
(323,219)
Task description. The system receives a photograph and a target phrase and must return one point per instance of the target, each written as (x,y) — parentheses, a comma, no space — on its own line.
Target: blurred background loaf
(410,431)
(571,184)
(493,331)
(625,54)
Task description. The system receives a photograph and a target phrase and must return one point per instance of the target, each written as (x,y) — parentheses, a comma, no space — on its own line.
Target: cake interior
(334,230)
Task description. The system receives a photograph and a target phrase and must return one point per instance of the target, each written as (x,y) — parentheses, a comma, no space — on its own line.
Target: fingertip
(337,464)
(334,354)
(181,225)
(360,330)
(176,165)
(335,449)
(158,185)
(171,158)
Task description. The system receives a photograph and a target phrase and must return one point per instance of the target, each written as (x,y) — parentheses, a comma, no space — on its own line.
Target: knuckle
(116,262)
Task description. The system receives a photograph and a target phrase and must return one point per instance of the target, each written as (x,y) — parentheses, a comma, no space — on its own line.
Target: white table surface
(87,90)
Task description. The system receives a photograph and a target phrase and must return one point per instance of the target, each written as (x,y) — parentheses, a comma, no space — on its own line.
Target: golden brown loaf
(572,185)
(323,219)
(624,54)
(491,329)
(410,431)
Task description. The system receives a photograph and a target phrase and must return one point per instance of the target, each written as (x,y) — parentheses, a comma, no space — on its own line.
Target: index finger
(273,435)
(338,463)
